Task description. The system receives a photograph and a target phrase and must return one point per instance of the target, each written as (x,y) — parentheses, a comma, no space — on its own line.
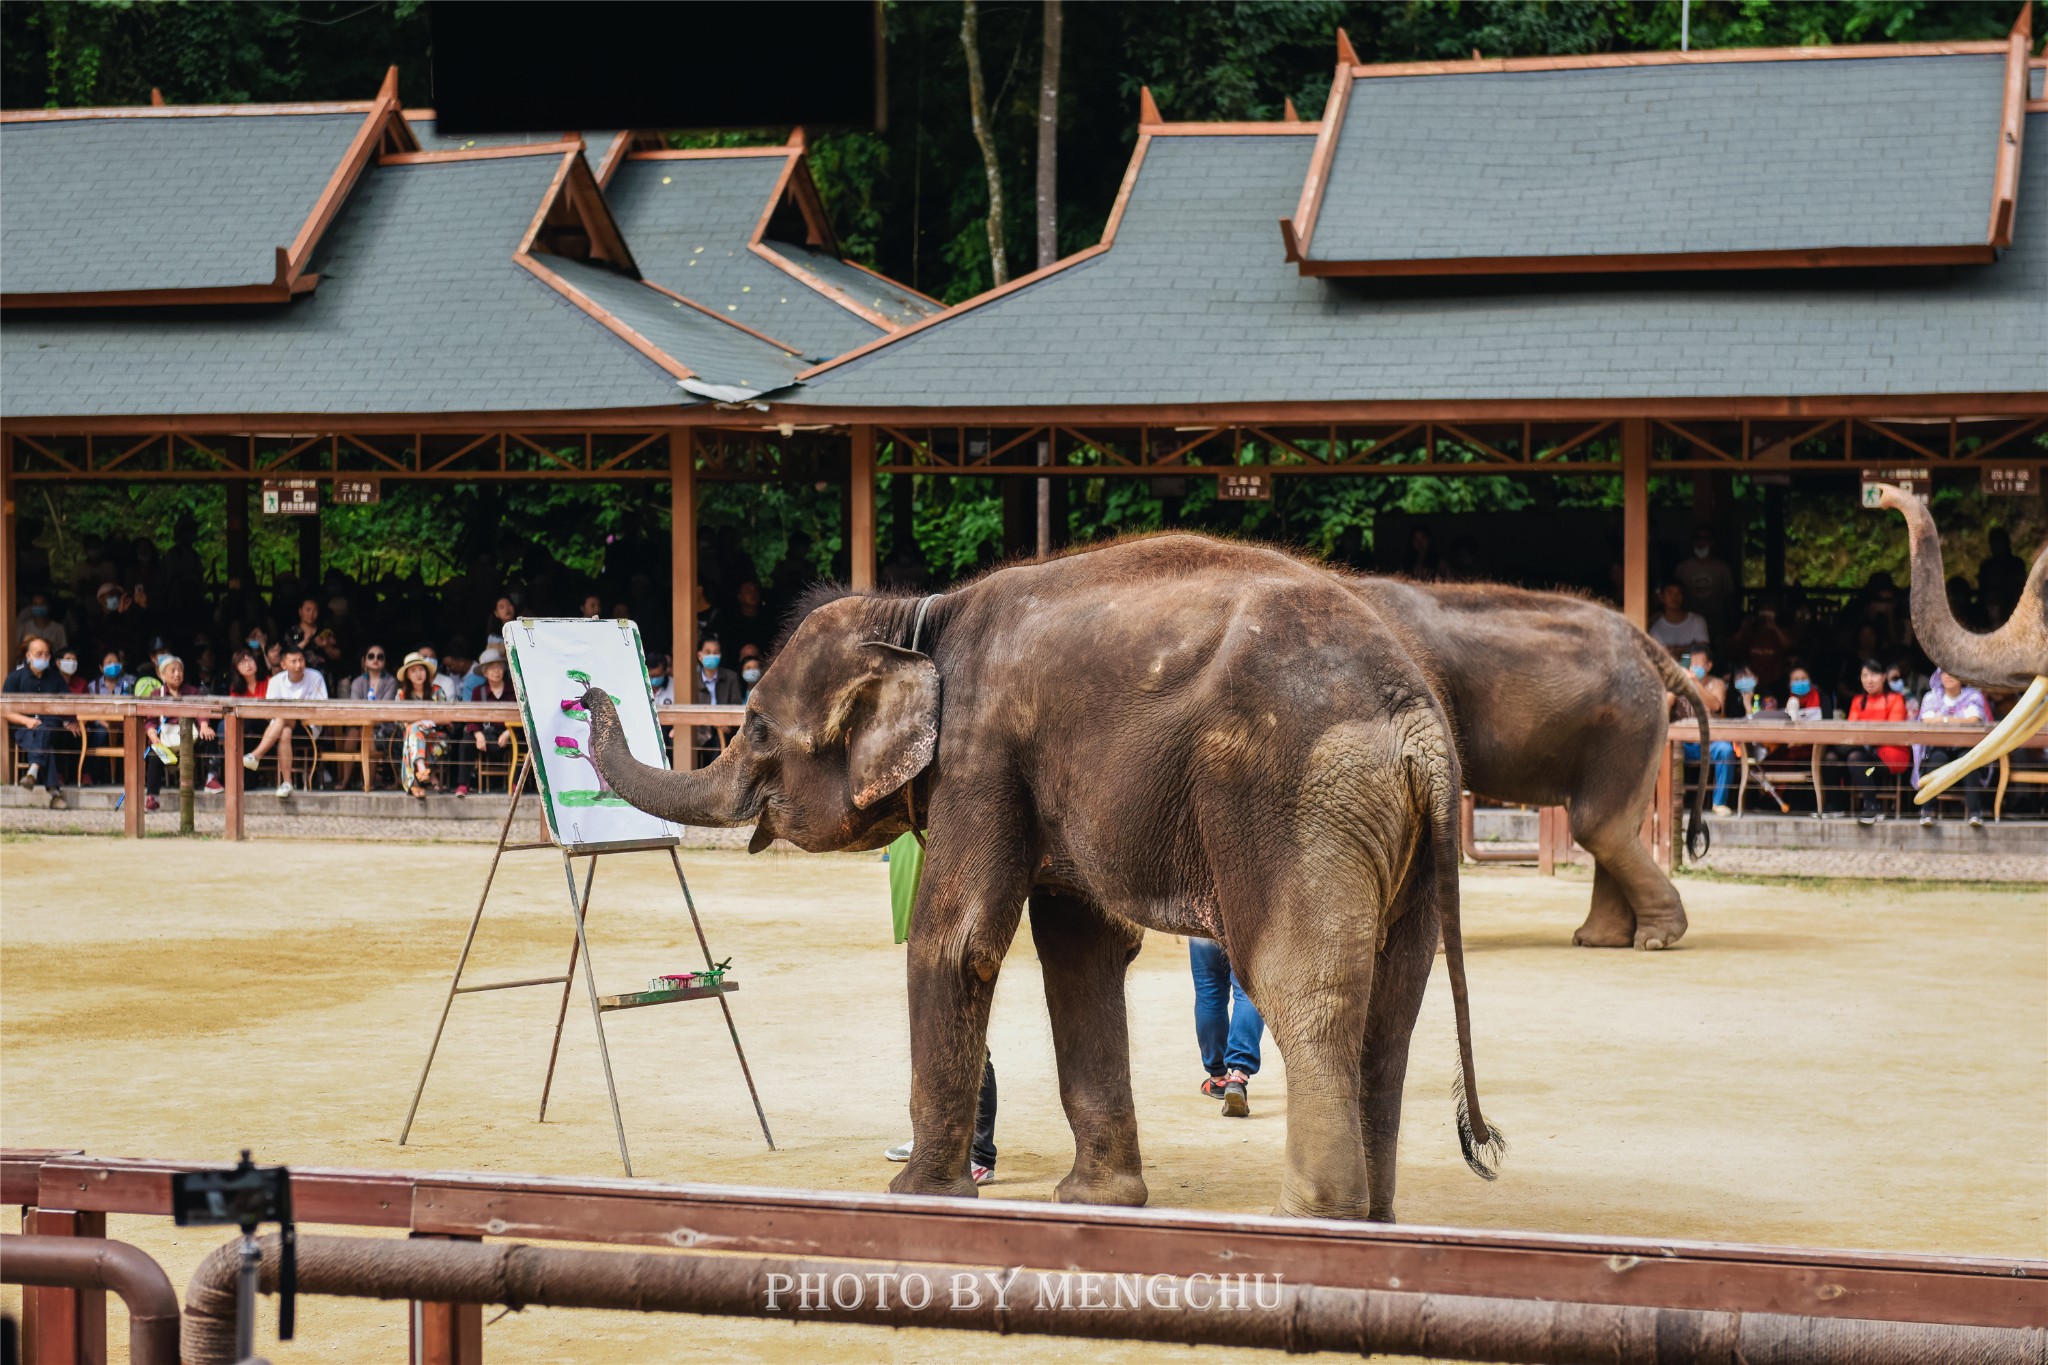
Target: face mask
(1801,688)
(1897,684)
(1702,551)
(710,661)
(255,643)
(111,603)
(1745,684)
(657,678)
(111,670)
(752,675)
(67,666)
(38,665)
(39,611)
(1699,670)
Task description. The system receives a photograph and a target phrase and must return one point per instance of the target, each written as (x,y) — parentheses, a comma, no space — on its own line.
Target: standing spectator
(1708,582)
(749,624)
(503,613)
(38,735)
(302,631)
(1721,756)
(2001,577)
(1875,702)
(485,735)
(166,736)
(294,682)
(1675,628)
(1948,702)
(1764,646)
(35,620)
(1227,1028)
(416,750)
(712,685)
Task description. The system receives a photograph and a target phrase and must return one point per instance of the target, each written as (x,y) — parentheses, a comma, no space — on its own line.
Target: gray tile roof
(1195,304)
(159,203)
(689,222)
(420,309)
(1730,156)
(431,139)
(886,297)
(709,348)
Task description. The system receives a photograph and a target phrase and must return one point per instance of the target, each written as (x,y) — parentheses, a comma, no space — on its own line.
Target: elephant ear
(888,718)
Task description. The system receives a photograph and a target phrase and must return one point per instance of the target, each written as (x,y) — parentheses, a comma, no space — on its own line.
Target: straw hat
(490,656)
(418,658)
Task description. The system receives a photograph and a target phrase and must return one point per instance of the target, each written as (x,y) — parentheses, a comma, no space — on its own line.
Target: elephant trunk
(2011,656)
(713,796)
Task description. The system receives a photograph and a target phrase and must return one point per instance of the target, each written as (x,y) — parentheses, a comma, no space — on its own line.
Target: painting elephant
(1174,733)
(1558,701)
(2014,655)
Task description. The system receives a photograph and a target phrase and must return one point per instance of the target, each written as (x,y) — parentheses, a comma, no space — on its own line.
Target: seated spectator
(1722,753)
(1875,702)
(165,736)
(36,620)
(485,735)
(1948,702)
(67,667)
(454,667)
(593,607)
(114,680)
(375,682)
(38,736)
(1675,628)
(302,631)
(751,670)
(246,675)
(711,685)
(1802,702)
(1745,702)
(273,658)
(659,681)
(295,682)
(422,741)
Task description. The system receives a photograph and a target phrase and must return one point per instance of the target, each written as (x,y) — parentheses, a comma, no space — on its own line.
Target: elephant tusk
(2016,729)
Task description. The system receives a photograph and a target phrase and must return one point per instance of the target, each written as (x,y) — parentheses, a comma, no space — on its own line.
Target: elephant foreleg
(1084,956)
(1399,977)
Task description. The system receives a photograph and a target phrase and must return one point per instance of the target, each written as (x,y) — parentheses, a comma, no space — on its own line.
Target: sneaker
(981,1174)
(1869,818)
(1976,822)
(28,777)
(1926,818)
(57,801)
(150,803)
(284,789)
(1236,1101)
(213,784)
(901,1151)
(1213,1087)
(462,789)
(1723,810)
(250,761)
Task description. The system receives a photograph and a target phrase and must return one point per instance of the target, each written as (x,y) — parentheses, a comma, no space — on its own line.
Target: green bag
(906,865)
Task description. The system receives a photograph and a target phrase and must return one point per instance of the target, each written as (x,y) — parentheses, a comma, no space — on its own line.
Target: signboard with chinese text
(1915,479)
(1248,486)
(2012,480)
(357,490)
(291,497)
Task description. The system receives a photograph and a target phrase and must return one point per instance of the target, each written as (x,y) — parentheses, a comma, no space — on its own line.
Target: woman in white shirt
(1948,702)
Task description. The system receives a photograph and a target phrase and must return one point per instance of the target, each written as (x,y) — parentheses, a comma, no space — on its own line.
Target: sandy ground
(1850,1064)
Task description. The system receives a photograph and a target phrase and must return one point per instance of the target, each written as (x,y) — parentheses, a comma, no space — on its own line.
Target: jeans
(983,1148)
(1227,1025)
(1723,754)
(1972,786)
(40,747)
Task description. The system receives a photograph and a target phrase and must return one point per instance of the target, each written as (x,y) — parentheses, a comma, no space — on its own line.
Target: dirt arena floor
(1854,1064)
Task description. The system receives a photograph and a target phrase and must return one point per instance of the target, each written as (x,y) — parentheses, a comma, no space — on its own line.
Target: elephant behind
(1173,733)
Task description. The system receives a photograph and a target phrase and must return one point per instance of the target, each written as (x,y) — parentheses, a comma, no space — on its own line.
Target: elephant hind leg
(1634,903)
(1084,955)
(1399,978)
(1610,923)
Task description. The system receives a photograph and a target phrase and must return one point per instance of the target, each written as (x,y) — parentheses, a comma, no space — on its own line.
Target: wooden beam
(1798,258)
(1635,520)
(682,563)
(1594,61)
(1288,112)
(688,302)
(1347,55)
(831,291)
(2005,185)
(1148,108)
(1295,128)
(156,97)
(1319,162)
(8,551)
(604,317)
(860,542)
(477,153)
(189,111)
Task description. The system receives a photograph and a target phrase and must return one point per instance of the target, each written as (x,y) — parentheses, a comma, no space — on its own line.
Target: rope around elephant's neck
(910,787)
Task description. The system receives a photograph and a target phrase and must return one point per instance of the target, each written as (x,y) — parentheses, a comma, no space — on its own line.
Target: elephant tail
(1680,682)
(1435,774)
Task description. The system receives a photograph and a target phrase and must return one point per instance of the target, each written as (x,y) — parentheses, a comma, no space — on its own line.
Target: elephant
(1559,701)
(1170,732)
(2014,655)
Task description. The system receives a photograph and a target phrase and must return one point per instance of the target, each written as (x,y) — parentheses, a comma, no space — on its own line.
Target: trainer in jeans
(1227,1027)
(38,736)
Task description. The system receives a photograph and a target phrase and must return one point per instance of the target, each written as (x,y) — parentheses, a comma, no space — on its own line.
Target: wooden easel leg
(597,1015)
(568,978)
(461,961)
(723,1003)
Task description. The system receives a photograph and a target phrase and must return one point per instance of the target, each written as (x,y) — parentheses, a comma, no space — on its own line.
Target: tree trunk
(977,99)
(1048,138)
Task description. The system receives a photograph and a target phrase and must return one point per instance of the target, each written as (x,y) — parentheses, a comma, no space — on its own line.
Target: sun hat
(490,656)
(418,658)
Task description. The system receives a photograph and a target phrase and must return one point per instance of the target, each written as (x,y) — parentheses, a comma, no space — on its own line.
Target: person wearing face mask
(166,737)
(1745,703)
(660,682)
(1876,702)
(1802,700)
(1709,583)
(1721,756)
(36,736)
(1948,702)
(67,665)
(750,672)
(1675,628)
(712,685)
(36,619)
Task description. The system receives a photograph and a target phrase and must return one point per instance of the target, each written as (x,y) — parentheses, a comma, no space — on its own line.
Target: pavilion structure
(1774,262)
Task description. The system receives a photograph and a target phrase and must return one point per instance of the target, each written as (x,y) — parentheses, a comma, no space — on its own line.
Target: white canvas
(553,661)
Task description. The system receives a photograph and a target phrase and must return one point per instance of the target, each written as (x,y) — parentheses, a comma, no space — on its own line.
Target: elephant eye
(757,729)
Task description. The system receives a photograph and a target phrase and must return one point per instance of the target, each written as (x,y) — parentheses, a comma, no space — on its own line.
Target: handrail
(95,1263)
(1756,730)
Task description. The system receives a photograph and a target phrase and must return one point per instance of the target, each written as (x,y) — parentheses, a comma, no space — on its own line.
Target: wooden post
(682,571)
(447,1333)
(1774,537)
(309,558)
(238,536)
(131,774)
(1662,826)
(231,773)
(1635,519)
(1546,841)
(8,586)
(63,1326)
(860,529)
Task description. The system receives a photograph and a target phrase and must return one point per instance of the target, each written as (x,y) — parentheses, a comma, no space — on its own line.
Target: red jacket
(1884,706)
